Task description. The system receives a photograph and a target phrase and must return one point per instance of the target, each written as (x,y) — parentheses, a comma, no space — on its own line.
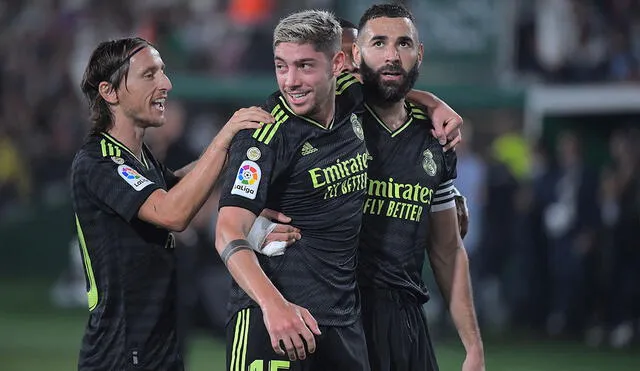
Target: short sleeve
(169,176)
(119,186)
(443,198)
(349,87)
(252,167)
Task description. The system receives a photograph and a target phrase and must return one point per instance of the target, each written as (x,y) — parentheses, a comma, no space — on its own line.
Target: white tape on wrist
(258,234)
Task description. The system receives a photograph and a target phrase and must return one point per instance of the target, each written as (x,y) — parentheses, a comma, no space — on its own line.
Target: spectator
(571,220)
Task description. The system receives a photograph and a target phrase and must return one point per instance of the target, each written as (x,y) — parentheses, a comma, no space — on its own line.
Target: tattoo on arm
(232,248)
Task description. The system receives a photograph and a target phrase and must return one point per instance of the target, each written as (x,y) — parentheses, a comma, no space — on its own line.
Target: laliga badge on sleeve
(131,176)
(247,180)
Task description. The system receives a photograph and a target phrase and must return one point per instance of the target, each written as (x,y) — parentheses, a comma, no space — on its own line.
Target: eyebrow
(153,69)
(297,61)
(405,38)
(379,38)
(385,38)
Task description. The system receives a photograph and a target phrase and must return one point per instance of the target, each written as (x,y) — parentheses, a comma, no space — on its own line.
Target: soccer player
(409,207)
(349,36)
(446,122)
(126,203)
(311,166)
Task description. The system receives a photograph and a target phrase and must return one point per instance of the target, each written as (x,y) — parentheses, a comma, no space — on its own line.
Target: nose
(292,78)
(165,83)
(391,53)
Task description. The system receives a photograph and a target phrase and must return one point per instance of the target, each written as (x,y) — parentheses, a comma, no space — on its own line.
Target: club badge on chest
(428,163)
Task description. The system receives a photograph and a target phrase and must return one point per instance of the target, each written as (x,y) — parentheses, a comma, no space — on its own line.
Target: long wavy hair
(109,62)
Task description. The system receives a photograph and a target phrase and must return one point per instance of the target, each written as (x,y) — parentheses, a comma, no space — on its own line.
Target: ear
(108,92)
(338,63)
(357,56)
(420,54)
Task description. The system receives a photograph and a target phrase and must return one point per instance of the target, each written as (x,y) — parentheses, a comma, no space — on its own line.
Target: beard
(388,92)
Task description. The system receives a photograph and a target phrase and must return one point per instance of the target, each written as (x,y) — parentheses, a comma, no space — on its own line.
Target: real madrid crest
(357,126)
(428,163)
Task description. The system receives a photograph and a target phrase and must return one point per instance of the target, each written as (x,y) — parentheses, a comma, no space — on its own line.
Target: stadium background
(523,74)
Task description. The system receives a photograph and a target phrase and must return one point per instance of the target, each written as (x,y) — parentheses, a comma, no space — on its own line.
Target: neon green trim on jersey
(103,147)
(418,112)
(244,343)
(269,127)
(117,152)
(344,81)
(92,294)
(311,121)
(268,131)
(234,346)
(260,134)
(239,347)
(381,123)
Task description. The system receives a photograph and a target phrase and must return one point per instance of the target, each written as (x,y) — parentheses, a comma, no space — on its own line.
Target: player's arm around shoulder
(175,208)
(446,122)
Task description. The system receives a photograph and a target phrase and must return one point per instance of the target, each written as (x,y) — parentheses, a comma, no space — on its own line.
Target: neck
(393,115)
(129,135)
(325,116)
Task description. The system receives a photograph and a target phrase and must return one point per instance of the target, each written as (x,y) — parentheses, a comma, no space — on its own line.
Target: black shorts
(397,332)
(249,347)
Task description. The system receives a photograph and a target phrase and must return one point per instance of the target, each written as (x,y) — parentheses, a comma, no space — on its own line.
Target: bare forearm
(424,98)
(246,271)
(187,197)
(452,274)
(234,224)
(183,171)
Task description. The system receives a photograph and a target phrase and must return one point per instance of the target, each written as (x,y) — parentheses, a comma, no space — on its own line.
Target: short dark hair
(347,24)
(385,10)
(109,62)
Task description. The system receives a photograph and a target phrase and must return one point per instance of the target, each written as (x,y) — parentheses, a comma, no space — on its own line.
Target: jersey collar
(143,160)
(311,121)
(412,112)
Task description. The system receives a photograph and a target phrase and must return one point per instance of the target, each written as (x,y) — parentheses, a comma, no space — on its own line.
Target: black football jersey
(409,176)
(317,176)
(130,264)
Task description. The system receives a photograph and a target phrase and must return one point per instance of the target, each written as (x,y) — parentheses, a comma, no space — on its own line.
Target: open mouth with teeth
(297,98)
(159,104)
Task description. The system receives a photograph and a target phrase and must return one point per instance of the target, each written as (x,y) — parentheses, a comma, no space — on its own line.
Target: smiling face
(143,93)
(389,55)
(306,78)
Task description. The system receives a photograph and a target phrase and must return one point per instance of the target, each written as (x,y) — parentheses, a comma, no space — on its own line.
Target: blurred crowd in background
(579,41)
(552,238)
